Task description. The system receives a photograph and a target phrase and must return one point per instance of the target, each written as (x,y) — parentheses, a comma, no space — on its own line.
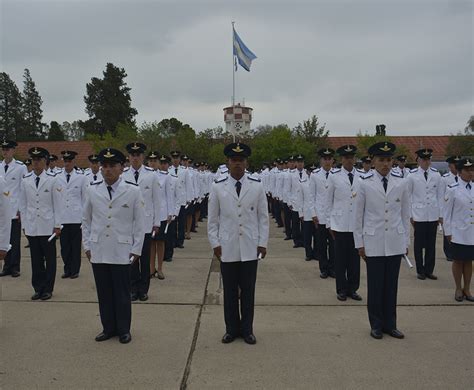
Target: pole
(233,76)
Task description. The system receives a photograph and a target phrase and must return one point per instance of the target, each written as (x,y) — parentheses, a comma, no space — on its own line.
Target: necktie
(136,176)
(176,171)
(426,175)
(327,174)
(456,178)
(109,188)
(6,168)
(238,186)
(468,186)
(301,175)
(95,177)
(37,180)
(403,173)
(68,176)
(351,177)
(384,180)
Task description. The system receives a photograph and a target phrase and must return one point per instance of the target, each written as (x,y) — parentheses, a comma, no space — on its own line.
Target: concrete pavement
(306,338)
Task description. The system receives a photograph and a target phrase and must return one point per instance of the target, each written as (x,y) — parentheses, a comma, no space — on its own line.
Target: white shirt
(5,222)
(13,177)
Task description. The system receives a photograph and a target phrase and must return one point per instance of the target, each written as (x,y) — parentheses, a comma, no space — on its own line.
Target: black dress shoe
(15,274)
(74,276)
(332,275)
(421,276)
(432,277)
(125,338)
(395,333)
(143,297)
(169,260)
(36,296)
(180,246)
(227,338)
(376,334)
(133,297)
(65,276)
(297,246)
(341,297)
(250,339)
(5,273)
(355,296)
(287,238)
(308,258)
(323,275)
(46,296)
(102,336)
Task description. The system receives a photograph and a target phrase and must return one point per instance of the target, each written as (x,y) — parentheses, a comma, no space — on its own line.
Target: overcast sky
(408,64)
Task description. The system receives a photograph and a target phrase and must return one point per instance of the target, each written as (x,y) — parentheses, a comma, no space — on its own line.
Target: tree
(108,102)
(460,144)
(469,129)
(124,134)
(32,128)
(72,131)
(312,131)
(55,133)
(11,117)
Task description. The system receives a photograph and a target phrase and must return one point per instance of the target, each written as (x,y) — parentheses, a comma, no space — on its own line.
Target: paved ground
(306,338)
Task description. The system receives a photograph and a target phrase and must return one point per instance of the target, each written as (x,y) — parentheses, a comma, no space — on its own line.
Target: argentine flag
(243,53)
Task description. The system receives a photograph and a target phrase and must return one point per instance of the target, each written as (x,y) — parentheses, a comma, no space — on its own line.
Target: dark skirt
(460,252)
(161,236)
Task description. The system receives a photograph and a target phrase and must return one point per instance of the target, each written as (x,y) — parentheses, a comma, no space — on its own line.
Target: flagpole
(233,67)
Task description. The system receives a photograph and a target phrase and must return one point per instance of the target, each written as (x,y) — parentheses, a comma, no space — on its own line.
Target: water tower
(237,119)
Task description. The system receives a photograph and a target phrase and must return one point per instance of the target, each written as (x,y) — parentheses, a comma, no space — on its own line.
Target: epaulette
(132,183)
(78,171)
(316,170)
(149,169)
(19,162)
(94,183)
(433,169)
(126,169)
(361,171)
(51,174)
(227,170)
(220,180)
(396,174)
(335,170)
(174,175)
(413,170)
(292,170)
(88,173)
(163,172)
(446,174)
(28,174)
(254,178)
(367,176)
(453,185)
(303,180)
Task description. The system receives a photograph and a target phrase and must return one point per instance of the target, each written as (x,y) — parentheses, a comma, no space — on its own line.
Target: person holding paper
(381,236)
(40,203)
(113,230)
(5,225)
(238,229)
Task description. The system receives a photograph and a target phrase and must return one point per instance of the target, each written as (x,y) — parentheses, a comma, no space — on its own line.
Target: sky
(354,64)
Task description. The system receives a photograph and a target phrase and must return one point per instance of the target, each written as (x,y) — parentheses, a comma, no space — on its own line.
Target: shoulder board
(79,172)
(367,176)
(28,174)
(88,173)
(413,170)
(446,174)
(292,170)
(453,185)
(224,170)
(336,170)
(19,162)
(221,180)
(173,175)
(133,184)
(396,174)
(51,174)
(303,180)
(361,171)
(94,183)
(165,173)
(316,170)
(253,178)
(149,169)
(433,169)
(126,169)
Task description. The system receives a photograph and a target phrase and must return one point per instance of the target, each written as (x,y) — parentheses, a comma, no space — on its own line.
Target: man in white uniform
(5,225)
(238,231)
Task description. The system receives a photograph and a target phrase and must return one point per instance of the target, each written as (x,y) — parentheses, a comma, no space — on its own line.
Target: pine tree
(10,108)
(31,107)
(108,102)
(55,132)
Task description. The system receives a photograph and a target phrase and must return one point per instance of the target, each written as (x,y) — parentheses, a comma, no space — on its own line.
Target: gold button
(109,217)
(106,235)
(110,206)
(386,211)
(386,220)
(240,234)
(386,229)
(108,226)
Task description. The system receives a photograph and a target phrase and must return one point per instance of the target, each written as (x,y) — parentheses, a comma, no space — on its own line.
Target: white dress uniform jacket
(40,207)
(166,204)
(72,196)
(382,219)
(183,183)
(5,213)
(147,182)
(426,195)
(112,229)
(13,177)
(458,213)
(92,177)
(239,224)
(174,193)
(341,198)
(295,188)
(304,200)
(319,184)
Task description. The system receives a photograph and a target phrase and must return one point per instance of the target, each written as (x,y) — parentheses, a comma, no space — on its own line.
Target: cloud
(354,64)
